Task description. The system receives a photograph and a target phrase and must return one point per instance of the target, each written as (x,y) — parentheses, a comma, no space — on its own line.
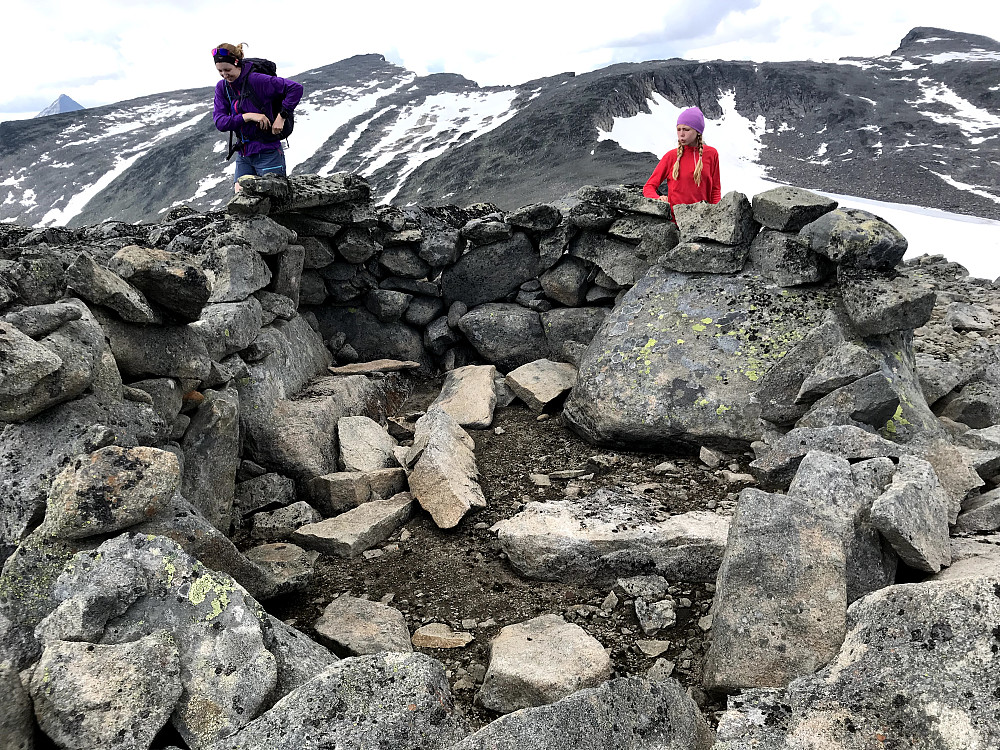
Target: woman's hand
(262,122)
(279,124)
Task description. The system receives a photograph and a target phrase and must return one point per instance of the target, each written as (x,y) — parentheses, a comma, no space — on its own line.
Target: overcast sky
(104,51)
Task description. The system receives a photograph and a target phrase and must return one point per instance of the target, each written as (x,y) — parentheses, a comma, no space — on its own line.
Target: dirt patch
(460,576)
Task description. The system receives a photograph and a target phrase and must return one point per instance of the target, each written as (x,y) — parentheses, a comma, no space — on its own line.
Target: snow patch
(974,189)
(979,55)
(969,118)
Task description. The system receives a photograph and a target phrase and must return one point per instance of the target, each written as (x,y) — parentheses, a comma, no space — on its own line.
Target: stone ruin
(164,387)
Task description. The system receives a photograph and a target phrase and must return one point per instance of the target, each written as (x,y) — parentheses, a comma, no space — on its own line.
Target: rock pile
(189,426)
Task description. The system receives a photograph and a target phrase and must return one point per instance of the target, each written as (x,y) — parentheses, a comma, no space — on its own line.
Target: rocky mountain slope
(916,126)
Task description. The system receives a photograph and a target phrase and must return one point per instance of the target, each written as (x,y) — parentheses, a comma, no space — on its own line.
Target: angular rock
(916,667)
(112,696)
(541,383)
(422,310)
(235,272)
(483,231)
(627,713)
(357,627)
(102,287)
(157,351)
(538,216)
(730,221)
(540,661)
(262,234)
(267,490)
(588,214)
(609,534)
(17,720)
(174,281)
(386,700)
(386,305)
(880,304)
(364,445)
(402,261)
(504,334)
(968,317)
(439,635)
(356,245)
(228,327)
(491,272)
(788,209)
(24,362)
(705,257)
(852,237)
(624,198)
(444,478)
(785,259)
(566,282)
(298,656)
(282,523)
(351,533)
(440,337)
(975,405)
(212,455)
(912,515)
(618,260)
(870,400)
(780,605)
(468,395)
(981,513)
(844,364)
(290,566)
(340,491)
(318,250)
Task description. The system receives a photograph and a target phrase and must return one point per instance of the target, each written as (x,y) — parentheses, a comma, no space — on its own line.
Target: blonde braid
(697,167)
(677,164)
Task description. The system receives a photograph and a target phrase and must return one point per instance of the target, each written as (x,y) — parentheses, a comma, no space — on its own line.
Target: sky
(104,51)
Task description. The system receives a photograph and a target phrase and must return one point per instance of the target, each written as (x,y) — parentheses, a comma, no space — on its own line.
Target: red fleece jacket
(684,190)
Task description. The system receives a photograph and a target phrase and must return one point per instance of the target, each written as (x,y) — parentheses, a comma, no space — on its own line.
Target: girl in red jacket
(691,170)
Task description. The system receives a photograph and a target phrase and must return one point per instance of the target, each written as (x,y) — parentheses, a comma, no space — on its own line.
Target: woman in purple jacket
(258,136)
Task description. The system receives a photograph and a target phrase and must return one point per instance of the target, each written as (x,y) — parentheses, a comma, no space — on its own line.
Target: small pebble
(499,430)
(372,554)
(543,417)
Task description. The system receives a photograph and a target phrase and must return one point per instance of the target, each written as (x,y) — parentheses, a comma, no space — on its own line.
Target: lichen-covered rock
(228,327)
(852,237)
(729,222)
(156,351)
(386,701)
(879,303)
(627,714)
(619,261)
(788,209)
(917,669)
(705,257)
(786,259)
(115,696)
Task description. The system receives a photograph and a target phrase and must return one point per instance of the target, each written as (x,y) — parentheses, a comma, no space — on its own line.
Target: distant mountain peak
(924,40)
(60,105)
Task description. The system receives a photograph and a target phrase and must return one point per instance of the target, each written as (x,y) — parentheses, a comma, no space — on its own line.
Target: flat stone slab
(609,534)
(541,382)
(540,661)
(351,533)
(364,445)
(290,566)
(469,396)
(440,635)
(358,626)
(377,365)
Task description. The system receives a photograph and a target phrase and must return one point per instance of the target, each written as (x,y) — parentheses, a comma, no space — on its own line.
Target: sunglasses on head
(217,51)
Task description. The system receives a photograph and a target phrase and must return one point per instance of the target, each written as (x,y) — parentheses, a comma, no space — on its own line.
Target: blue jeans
(271,161)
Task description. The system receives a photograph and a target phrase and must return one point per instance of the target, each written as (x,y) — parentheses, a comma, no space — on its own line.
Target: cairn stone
(490,272)
(504,334)
(174,281)
(102,287)
(788,209)
(786,259)
(852,237)
(729,222)
(880,304)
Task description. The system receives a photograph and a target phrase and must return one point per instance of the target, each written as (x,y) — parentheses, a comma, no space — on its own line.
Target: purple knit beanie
(693,118)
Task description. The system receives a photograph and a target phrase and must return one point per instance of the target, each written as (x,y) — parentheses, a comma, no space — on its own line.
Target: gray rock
(912,515)
(282,523)
(174,281)
(156,351)
(402,261)
(358,627)
(975,405)
(260,233)
(880,304)
(339,491)
(705,257)
(38,321)
(566,282)
(852,237)
(113,696)
(212,455)
(553,244)
(468,395)
(353,532)
(844,364)
(624,198)
(102,287)
(538,216)
(39,278)
(132,586)
(608,534)
(309,190)
(711,338)
(578,324)
(312,289)
(440,337)
(915,667)
(371,338)
(166,395)
(780,606)
(110,490)
(17,722)
(483,231)
(491,272)
(356,245)
(19,648)
(298,656)
(364,444)
(388,306)
(963,316)
(504,334)
(788,209)
(288,281)
(228,327)
(422,310)
(634,228)
(382,701)
(973,557)
(591,215)
(444,477)
(981,513)
(871,400)
(267,490)
(290,566)
(619,261)
(541,661)
(25,363)
(785,259)
(627,713)
(871,561)
(77,345)
(440,246)
(730,221)
(541,383)
(318,251)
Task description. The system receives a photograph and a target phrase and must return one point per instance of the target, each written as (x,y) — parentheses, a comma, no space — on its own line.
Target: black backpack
(271,108)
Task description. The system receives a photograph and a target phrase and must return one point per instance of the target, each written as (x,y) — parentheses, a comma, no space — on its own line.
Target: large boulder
(505,334)
(386,701)
(917,669)
(167,351)
(490,272)
(174,281)
(681,358)
(883,303)
(626,714)
(852,237)
(788,209)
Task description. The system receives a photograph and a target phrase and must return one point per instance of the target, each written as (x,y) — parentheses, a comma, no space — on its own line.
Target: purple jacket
(228,110)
